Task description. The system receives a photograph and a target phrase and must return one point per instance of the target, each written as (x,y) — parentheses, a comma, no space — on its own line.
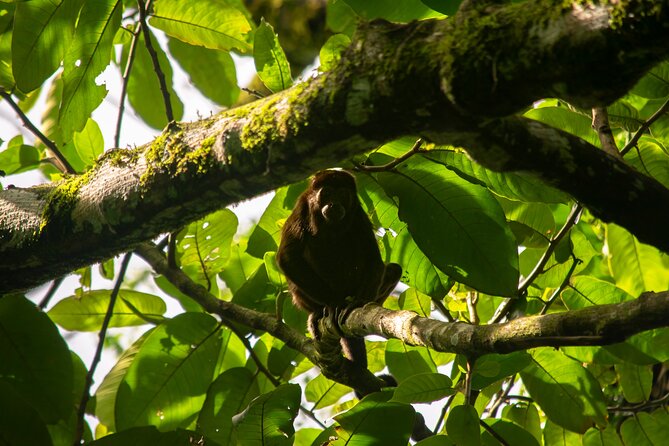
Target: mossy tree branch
(453,81)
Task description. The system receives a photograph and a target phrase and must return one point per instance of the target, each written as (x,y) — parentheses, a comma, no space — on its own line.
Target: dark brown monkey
(330,255)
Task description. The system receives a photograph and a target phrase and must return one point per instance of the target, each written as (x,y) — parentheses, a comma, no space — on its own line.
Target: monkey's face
(334,203)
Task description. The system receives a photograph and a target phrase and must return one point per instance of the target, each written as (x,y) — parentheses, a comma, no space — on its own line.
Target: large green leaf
(144,92)
(89,142)
(86,58)
(405,360)
(268,420)
(375,420)
(566,120)
(646,429)
(512,185)
(211,71)
(215,24)
(424,388)
(324,392)
(332,50)
(167,381)
(636,267)
(636,381)
(86,311)
(462,425)
(652,159)
(227,396)
(418,271)
(270,60)
(493,367)
(655,84)
(395,11)
(606,437)
(6,24)
(20,424)
(555,435)
(105,395)
(18,157)
(526,416)
(510,432)
(565,390)
(149,435)
(43,31)
(35,359)
(205,245)
(457,224)
(586,291)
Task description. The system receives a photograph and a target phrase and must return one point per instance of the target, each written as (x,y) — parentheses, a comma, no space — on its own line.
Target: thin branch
(124,87)
(86,395)
(472,299)
(600,122)
(641,407)
(501,395)
(538,269)
(644,127)
(63,163)
(444,411)
(311,415)
(154,59)
(442,309)
(394,163)
(50,293)
(468,380)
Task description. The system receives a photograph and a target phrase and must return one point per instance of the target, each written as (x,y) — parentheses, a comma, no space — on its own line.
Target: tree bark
(454,81)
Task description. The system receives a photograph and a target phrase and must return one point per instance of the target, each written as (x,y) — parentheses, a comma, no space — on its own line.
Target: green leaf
(332,49)
(89,142)
(418,270)
(493,367)
(635,381)
(270,60)
(566,391)
(86,311)
(43,31)
(587,291)
(510,432)
(257,292)
(149,435)
(655,84)
(424,388)
(606,437)
(227,396)
(180,358)
(324,392)
(144,92)
(88,55)
(268,420)
(240,268)
(457,224)
(526,416)
(209,23)
(105,395)
(448,7)
(205,245)
(18,157)
(7,12)
(651,159)
(375,420)
(555,435)
(635,266)
(566,120)
(396,11)
(211,71)
(646,429)
(266,234)
(20,424)
(35,359)
(404,360)
(462,425)
(518,186)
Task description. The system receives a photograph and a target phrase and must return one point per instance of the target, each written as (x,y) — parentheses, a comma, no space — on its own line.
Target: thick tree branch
(452,81)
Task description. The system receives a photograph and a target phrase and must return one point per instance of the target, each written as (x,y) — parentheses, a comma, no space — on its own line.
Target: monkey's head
(333,195)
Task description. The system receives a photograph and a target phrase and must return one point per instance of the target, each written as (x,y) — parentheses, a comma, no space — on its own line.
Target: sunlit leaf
(270,60)
(424,388)
(332,49)
(462,425)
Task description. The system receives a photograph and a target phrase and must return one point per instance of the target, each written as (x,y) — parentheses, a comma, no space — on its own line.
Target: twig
(261,367)
(49,294)
(124,87)
(444,411)
(251,92)
(86,395)
(538,269)
(600,122)
(154,59)
(442,309)
(391,165)
(644,127)
(311,415)
(65,165)
(641,406)
(472,299)
(468,380)
(502,394)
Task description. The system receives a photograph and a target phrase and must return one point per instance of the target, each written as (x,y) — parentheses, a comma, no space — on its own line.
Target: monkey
(330,256)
